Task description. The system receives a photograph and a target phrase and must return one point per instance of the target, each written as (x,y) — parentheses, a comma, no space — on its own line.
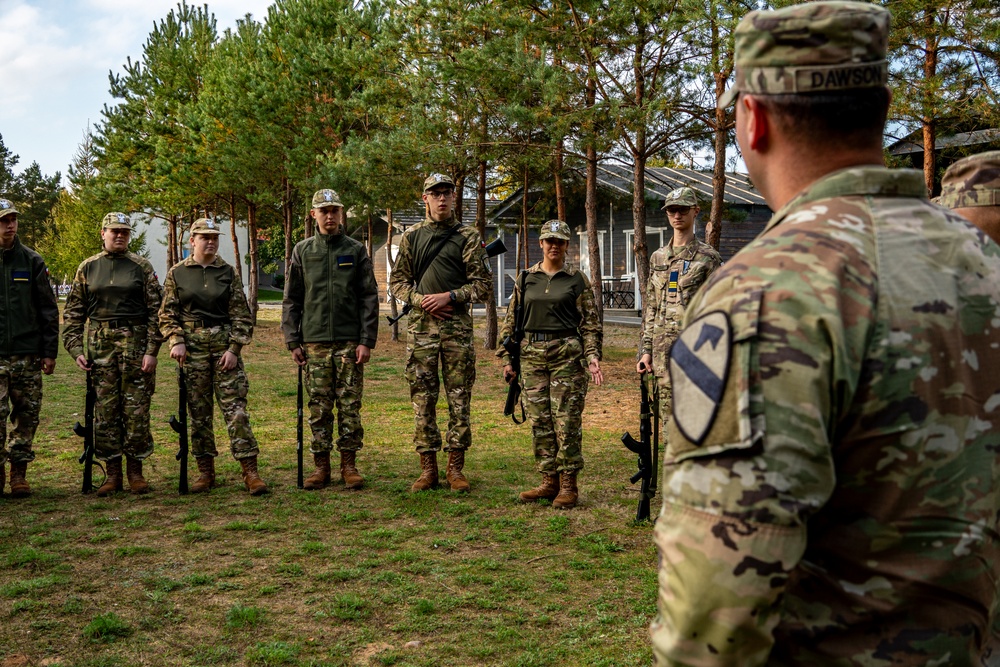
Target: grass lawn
(331,577)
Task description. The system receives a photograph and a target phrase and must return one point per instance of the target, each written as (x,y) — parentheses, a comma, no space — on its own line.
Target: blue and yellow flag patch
(21,276)
(345,261)
(672,285)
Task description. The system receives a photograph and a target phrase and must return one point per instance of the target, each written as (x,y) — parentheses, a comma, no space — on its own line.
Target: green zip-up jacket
(29,315)
(330,293)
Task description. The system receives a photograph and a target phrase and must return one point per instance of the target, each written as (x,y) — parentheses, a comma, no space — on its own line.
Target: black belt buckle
(546,336)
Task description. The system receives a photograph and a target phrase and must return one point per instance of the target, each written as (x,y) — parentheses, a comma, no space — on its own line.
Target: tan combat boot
(206,466)
(136,482)
(113,481)
(348,470)
(567,491)
(321,477)
(18,485)
(429,473)
(456,461)
(548,489)
(255,485)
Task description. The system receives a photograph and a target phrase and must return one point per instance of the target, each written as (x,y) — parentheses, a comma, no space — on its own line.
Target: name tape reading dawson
(815,78)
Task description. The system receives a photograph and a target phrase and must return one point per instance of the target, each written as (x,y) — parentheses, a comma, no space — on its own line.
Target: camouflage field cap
(811,48)
(972,181)
(116,220)
(326,197)
(680,197)
(438,179)
(554,229)
(6,207)
(207,226)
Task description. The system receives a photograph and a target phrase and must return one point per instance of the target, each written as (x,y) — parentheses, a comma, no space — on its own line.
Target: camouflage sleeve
(154,297)
(240,317)
(171,317)
(760,375)
(75,315)
(401,279)
(477,269)
(47,311)
(368,289)
(590,325)
(292,302)
(650,305)
(507,328)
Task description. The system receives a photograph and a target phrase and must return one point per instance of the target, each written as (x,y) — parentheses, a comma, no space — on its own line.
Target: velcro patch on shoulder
(21,276)
(344,261)
(699,370)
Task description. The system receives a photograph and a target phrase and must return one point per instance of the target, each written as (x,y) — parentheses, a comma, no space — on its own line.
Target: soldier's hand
(82,362)
(179,353)
(595,372)
(148,363)
(508,373)
(438,305)
(228,361)
(645,364)
(48,365)
(299,356)
(363,354)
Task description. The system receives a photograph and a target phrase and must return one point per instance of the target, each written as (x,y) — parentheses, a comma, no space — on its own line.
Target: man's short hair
(855,116)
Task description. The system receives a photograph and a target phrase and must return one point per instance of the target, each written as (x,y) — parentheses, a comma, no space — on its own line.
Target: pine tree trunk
(252,281)
(590,206)
(237,259)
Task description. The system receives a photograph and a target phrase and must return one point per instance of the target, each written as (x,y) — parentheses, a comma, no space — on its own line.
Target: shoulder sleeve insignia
(699,368)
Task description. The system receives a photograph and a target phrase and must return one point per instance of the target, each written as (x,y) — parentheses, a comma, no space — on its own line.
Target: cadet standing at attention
(830,486)
(206,321)
(118,293)
(562,342)
(676,273)
(28,345)
(330,322)
(441,270)
(971,187)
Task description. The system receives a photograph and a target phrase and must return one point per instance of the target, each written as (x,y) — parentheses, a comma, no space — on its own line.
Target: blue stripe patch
(700,374)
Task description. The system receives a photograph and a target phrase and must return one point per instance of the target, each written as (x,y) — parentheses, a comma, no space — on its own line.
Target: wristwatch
(451,293)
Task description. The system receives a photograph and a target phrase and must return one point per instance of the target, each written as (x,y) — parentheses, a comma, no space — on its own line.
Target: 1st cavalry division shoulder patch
(699,368)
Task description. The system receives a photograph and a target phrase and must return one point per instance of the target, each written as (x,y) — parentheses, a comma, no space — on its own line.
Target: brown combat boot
(567,491)
(136,482)
(255,485)
(456,461)
(548,489)
(429,473)
(321,477)
(18,485)
(348,471)
(206,466)
(113,482)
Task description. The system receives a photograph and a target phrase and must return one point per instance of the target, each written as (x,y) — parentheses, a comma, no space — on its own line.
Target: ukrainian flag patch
(672,285)
(345,261)
(21,276)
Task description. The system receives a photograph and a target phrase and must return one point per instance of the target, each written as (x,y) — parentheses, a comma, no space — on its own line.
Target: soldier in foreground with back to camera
(830,484)
(118,294)
(562,342)
(29,343)
(330,322)
(971,187)
(676,273)
(441,269)
(207,322)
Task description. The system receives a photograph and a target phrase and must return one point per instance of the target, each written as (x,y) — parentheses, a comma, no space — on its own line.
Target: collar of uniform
(330,239)
(858,181)
(680,251)
(108,253)
(14,245)
(567,268)
(447,223)
(189,261)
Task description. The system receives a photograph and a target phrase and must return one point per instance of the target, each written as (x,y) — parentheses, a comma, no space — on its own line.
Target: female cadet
(562,341)
(206,320)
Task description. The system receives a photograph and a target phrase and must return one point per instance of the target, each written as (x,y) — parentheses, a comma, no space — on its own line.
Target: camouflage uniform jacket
(832,482)
(461,267)
(212,293)
(675,276)
(589,325)
(29,313)
(96,296)
(330,293)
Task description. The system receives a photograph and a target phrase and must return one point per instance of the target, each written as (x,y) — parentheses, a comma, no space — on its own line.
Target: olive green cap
(680,197)
(810,48)
(554,229)
(116,220)
(207,226)
(972,181)
(438,179)
(326,197)
(6,208)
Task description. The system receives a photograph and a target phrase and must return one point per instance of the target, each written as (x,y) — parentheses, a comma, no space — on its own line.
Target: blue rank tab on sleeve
(21,276)
(672,285)
(345,261)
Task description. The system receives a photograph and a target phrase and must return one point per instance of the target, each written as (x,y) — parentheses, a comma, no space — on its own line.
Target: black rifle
(86,431)
(180,427)
(512,344)
(493,248)
(647,447)
(298,431)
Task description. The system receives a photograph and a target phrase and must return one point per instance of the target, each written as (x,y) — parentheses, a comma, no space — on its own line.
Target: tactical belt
(545,336)
(204,324)
(118,324)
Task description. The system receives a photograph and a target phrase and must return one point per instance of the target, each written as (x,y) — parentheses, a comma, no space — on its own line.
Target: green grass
(332,577)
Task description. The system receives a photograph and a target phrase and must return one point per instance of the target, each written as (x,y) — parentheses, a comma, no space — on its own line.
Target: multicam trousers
(123,392)
(21,401)
(203,378)
(663,391)
(446,343)
(334,379)
(554,382)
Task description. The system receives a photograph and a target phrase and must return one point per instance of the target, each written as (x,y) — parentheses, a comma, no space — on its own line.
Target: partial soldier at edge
(971,187)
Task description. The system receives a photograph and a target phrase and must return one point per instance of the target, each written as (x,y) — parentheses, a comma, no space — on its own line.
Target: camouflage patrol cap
(680,197)
(811,48)
(326,197)
(972,181)
(7,208)
(438,179)
(554,229)
(206,226)
(116,220)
